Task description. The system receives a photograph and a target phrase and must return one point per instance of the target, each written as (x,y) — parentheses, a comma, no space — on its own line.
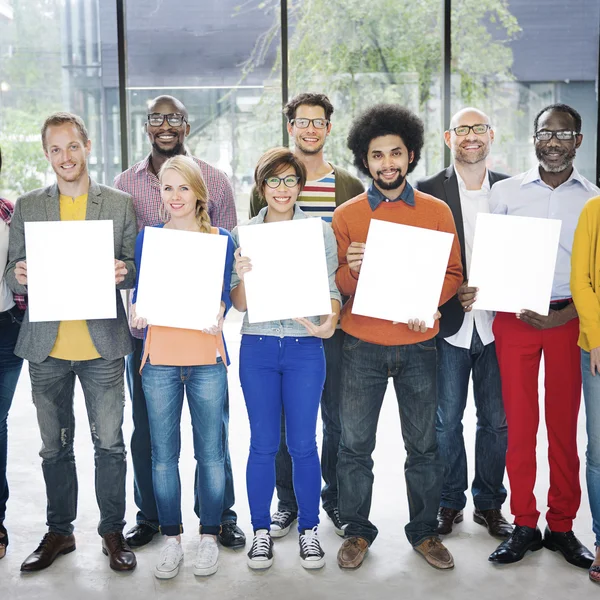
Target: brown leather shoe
(496,524)
(435,553)
(446,518)
(116,548)
(352,552)
(50,547)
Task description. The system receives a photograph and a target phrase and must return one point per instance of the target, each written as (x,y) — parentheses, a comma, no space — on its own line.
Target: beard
(300,146)
(471,158)
(389,185)
(566,160)
(175,151)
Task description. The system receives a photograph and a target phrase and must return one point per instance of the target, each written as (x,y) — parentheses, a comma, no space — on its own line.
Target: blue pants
(454,367)
(141,451)
(206,390)
(330,414)
(10,368)
(286,373)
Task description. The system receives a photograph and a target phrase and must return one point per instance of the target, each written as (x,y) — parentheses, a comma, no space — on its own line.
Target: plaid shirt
(144,187)
(6,213)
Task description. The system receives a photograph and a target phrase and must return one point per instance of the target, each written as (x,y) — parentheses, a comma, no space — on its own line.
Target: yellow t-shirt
(73,341)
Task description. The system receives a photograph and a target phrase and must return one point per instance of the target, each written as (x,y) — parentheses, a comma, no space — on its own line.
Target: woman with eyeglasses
(282,365)
(184,360)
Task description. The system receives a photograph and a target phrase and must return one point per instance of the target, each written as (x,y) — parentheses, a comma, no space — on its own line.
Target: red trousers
(519,348)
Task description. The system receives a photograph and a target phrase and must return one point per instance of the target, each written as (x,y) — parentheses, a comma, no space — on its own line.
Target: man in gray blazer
(91,350)
(465,343)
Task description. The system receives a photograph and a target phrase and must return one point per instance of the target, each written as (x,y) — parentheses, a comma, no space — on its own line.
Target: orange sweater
(351,224)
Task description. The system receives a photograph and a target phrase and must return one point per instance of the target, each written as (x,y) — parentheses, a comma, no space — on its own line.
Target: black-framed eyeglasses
(289,181)
(478,129)
(173,119)
(304,123)
(564,135)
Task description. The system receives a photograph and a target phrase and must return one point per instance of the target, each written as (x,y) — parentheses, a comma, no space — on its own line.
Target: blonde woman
(178,360)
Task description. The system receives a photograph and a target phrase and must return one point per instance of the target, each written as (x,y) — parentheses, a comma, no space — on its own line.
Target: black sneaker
(311,553)
(281,521)
(334,515)
(260,555)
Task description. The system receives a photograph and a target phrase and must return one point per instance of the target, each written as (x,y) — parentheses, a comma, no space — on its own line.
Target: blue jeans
(53,385)
(591,395)
(10,368)
(206,389)
(366,369)
(286,373)
(141,451)
(454,366)
(330,415)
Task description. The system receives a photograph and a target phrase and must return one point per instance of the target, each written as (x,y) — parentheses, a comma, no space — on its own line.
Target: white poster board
(289,277)
(513,262)
(181,278)
(402,272)
(70,270)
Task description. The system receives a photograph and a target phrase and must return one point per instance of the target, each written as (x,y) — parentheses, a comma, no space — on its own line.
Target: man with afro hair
(386,141)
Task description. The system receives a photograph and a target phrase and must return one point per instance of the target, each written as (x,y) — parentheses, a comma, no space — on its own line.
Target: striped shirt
(317,198)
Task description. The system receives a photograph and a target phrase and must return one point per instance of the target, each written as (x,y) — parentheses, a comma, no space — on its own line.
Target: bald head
(167,104)
(468,112)
(471,148)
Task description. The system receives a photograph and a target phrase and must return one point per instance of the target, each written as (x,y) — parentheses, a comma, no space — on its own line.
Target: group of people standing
(290,368)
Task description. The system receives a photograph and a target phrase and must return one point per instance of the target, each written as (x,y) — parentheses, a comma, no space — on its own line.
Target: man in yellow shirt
(92,350)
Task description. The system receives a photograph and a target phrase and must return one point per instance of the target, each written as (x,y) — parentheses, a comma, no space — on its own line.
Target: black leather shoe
(140,535)
(496,524)
(231,536)
(51,546)
(121,558)
(446,518)
(514,548)
(570,547)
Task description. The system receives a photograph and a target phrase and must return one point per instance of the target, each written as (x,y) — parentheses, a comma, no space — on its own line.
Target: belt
(560,304)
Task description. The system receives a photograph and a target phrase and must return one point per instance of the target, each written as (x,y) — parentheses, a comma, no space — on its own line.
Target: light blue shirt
(289,327)
(526,195)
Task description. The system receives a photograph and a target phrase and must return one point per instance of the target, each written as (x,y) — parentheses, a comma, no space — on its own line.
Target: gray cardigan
(110,336)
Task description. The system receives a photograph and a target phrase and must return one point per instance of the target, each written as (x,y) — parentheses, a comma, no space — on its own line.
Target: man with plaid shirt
(167,126)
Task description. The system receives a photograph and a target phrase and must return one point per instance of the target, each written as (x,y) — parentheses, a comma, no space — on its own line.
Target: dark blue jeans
(455,365)
(330,415)
(141,451)
(10,368)
(286,373)
(53,386)
(366,369)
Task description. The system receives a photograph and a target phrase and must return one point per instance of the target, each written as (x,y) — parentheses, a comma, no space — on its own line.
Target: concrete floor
(392,569)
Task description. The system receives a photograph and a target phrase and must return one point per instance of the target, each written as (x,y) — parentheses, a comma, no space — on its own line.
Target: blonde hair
(191,173)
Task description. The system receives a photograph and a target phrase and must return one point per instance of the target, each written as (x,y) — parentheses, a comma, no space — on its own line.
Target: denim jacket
(289,327)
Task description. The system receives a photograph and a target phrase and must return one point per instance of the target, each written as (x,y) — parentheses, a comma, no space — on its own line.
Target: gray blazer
(110,336)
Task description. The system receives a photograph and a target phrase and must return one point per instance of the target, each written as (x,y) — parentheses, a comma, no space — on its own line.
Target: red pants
(519,348)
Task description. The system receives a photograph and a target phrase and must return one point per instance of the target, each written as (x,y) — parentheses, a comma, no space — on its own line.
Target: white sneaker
(260,555)
(207,557)
(311,553)
(170,560)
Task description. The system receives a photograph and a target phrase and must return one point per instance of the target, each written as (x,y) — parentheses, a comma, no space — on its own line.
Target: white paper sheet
(402,273)
(289,270)
(181,278)
(513,262)
(70,270)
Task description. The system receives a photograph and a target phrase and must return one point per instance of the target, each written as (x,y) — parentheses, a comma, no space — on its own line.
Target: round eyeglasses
(289,181)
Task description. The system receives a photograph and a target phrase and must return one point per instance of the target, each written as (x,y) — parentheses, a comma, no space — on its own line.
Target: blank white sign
(513,262)
(70,270)
(289,276)
(402,272)
(181,278)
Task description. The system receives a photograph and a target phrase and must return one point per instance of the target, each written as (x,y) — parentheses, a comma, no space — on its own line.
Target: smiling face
(281,199)
(387,161)
(168,140)
(178,198)
(67,152)
(309,140)
(556,155)
(471,148)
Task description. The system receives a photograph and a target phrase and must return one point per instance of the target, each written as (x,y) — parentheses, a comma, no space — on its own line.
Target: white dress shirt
(6,297)
(473,202)
(528,196)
